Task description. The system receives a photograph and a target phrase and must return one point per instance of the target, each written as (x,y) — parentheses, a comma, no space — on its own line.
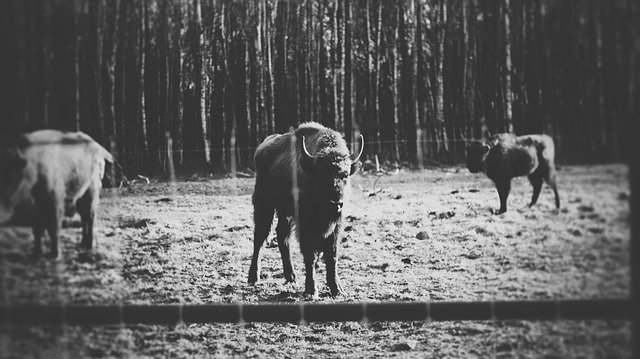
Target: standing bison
(508,156)
(303,176)
(52,174)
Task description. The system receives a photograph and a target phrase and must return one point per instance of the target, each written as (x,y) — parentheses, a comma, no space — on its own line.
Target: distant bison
(508,156)
(53,173)
(314,165)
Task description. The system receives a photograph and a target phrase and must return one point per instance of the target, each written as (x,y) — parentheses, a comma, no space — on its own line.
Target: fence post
(634,178)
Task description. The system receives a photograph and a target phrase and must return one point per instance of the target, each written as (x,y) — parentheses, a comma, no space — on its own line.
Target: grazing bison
(53,173)
(508,156)
(314,165)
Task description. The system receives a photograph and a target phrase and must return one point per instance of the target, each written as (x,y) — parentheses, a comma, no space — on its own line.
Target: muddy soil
(410,236)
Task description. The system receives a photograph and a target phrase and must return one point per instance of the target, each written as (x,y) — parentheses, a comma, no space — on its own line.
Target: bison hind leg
(551,181)
(283,231)
(549,175)
(87,206)
(263,217)
(536,181)
(49,210)
(38,232)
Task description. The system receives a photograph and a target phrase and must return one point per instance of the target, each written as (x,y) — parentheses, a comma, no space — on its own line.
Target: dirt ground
(412,236)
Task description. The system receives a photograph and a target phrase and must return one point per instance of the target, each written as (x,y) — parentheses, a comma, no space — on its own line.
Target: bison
(303,177)
(53,173)
(507,156)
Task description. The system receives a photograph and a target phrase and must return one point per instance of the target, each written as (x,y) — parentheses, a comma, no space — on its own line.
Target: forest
(196,85)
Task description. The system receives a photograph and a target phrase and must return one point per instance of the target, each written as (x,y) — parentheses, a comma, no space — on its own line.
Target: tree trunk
(261,103)
(247,79)
(394,86)
(180,87)
(414,81)
(508,93)
(348,74)
(369,87)
(111,70)
(600,77)
(440,122)
(204,82)
(270,97)
(76,68)
(142,95)
(376,84)
(334,68)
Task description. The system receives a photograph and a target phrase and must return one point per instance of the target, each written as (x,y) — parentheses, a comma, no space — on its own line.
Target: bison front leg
(263,216)
(310,273)
(504,187)
(330,260)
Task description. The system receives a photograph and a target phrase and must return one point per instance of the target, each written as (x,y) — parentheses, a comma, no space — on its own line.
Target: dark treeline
(415,77)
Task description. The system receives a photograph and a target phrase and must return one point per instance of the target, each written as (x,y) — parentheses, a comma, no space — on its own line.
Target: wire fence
(305,312)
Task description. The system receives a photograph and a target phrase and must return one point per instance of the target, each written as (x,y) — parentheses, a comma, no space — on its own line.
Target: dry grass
(427,235)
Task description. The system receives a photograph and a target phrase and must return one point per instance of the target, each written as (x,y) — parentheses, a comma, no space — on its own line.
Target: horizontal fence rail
(169,314)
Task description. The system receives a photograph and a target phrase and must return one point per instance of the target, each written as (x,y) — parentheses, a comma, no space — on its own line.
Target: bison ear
(485,148)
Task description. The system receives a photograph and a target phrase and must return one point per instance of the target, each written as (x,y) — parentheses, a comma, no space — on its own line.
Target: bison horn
(361,149)
(304,148)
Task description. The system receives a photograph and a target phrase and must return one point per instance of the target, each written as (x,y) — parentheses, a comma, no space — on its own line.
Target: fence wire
(305,312)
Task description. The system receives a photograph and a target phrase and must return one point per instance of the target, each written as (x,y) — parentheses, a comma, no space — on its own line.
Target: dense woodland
(196,85)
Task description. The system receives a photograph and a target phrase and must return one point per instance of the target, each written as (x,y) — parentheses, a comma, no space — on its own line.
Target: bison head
(330,168)
(11,168)
(476,153)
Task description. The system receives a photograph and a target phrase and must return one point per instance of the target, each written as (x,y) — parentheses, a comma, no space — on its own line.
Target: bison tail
(105,154)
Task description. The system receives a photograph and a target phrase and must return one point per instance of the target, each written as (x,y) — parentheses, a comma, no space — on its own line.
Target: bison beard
(509,156)
(50,174)
(314,165)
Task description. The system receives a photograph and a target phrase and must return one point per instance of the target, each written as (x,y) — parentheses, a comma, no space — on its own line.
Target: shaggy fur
(508,156)
(53,173)
(283,172)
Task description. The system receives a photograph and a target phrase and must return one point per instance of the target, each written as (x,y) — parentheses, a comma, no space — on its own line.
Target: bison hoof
(336,290)
(311,296)
(253,278)
(310,291)
(289,278)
